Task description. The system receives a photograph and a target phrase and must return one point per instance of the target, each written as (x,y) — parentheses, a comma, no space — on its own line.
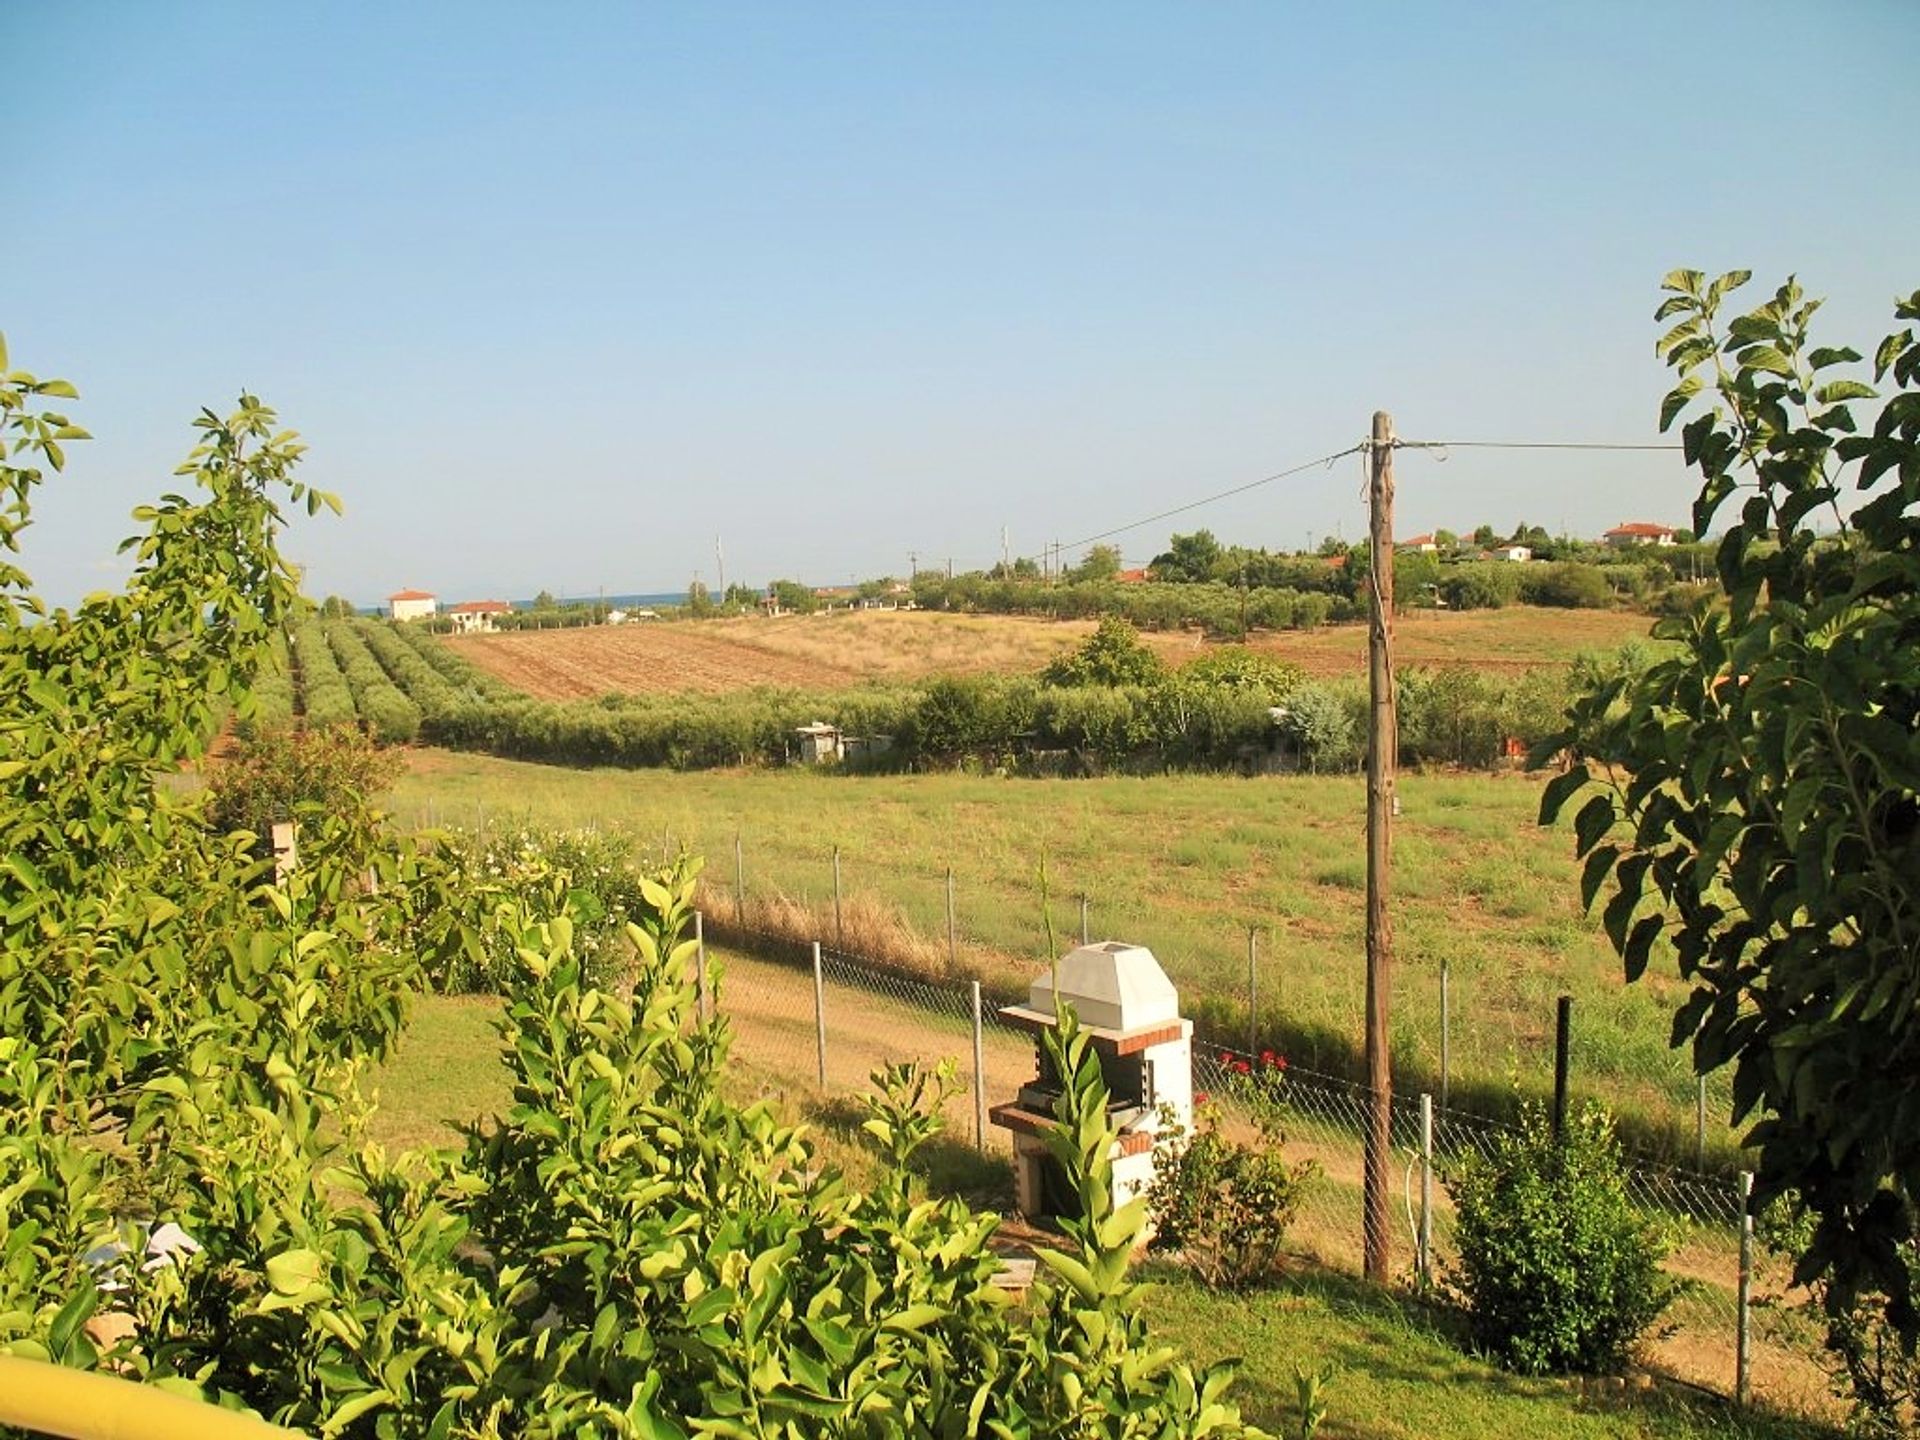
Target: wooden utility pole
(1383,745)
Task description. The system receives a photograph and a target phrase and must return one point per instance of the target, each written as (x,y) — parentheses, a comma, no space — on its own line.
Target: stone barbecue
(1131,1012)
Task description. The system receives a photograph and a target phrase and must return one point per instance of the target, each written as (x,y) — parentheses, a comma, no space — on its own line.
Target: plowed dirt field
(810,652)
(825,652)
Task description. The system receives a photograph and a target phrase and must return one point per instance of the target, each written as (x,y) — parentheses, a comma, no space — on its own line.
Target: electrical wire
(1324,460)
(1525,445)
(1363,448)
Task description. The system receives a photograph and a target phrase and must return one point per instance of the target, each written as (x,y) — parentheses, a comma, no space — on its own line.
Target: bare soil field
(831,651)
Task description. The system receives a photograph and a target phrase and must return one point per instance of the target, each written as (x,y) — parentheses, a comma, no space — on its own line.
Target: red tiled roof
(1132,577)
(411,595)
(1419,540)
(480,607)
(1641,530)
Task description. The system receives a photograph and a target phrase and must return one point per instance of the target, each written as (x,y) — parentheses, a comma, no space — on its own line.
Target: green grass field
(1400,1369)
(1185,865)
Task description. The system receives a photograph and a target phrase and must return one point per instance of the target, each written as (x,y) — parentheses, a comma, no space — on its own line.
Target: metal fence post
(704,1007)
(1742,1355)
(1700,1126)
(979,1076)
(820,1014)
(739,884)
(953,944)
(1446,1028)
(1562,1044)
(1086,934)
(1253,989)
(839,926)
(1426,1189)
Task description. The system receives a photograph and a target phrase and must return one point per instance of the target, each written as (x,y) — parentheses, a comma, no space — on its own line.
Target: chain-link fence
(804,1015)
(1251,974)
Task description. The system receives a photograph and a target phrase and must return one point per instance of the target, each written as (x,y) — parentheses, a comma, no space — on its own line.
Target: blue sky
(558,294)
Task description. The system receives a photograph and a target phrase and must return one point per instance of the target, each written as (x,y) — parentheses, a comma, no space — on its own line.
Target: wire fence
(1467,1026)
(805,1015)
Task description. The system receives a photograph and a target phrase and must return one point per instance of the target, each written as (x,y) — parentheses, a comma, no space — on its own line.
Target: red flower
(1200,1097)
(1240,1067)
(1267,1058)
(1279,1062)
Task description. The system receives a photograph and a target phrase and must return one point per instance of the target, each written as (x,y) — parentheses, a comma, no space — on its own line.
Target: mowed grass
(831,651)
(1400,1371)
(1185,865)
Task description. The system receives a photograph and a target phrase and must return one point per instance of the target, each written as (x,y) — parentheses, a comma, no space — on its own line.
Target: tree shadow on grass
(1397,1339)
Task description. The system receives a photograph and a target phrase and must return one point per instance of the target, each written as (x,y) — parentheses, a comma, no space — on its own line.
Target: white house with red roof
(477,617)
(1422,544)
(412,605)
(1638,532)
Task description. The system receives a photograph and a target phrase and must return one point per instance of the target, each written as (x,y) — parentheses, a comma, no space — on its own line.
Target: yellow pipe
(86,1405)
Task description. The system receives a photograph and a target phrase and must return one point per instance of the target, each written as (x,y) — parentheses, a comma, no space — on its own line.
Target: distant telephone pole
(720,558)
(1383,744)
(1006,556)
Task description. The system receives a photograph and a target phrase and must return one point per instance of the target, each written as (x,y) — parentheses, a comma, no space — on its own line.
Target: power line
(1523,445)
(1327,460)
(1324,460)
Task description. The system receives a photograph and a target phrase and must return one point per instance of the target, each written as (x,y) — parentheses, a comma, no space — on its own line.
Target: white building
(477,617)
(412,605)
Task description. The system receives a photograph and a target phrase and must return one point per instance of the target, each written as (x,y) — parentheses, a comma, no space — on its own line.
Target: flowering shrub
(1221,1204)
(586,874)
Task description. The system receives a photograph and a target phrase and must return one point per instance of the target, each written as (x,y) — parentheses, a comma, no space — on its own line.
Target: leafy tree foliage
(1112,655)
(1188,557)
(792,595)
(1754,801)
(297,775)
(625,1251)
(1101,562)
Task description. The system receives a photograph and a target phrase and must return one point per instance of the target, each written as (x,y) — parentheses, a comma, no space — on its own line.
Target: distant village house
(477,617)
(1638,532)
(412,605)
(1421,544)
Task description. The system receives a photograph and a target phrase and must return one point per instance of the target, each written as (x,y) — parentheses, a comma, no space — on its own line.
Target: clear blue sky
(557,294)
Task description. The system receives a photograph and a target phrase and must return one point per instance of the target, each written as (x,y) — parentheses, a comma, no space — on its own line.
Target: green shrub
(269,706)
(1112,655)
(1568,585)
(1221,1205)
(1237,668)
(971,716)
(324,697)
(1557,1270)
(587,875)
(282,774)
(387,713)
(1321,726)
(1482,585)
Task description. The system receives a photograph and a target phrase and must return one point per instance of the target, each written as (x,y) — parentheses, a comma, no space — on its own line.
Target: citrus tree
(1750,804)
(187,1196)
